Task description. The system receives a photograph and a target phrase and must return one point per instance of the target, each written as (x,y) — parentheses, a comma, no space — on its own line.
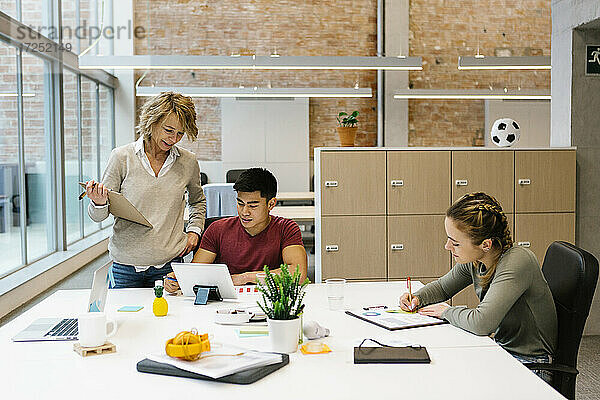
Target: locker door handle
(524,244)
(461,182)
(399,246)
(524,181)
(397,183)
(331,183)
(331,247)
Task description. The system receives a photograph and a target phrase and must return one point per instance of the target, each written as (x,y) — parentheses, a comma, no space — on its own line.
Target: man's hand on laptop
(170,283)
(243,278)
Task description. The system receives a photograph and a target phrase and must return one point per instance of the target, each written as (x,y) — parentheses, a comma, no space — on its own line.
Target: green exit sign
(592,62)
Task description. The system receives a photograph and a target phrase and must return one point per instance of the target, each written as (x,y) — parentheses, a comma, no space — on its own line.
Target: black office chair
(203,179)
(572,274)
(233,175)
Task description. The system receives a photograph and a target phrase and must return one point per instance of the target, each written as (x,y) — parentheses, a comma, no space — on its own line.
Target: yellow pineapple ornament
(159,306)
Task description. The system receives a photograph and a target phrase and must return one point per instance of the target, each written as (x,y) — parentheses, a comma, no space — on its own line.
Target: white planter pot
(284,335)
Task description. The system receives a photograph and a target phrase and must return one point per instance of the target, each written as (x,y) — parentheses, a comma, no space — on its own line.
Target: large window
(10,238)
(53,118)
(74,215)
(89,142)
(9,7)
(106,126)
(37,119)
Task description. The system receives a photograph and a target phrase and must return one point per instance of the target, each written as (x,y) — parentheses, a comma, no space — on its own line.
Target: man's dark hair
(257,179)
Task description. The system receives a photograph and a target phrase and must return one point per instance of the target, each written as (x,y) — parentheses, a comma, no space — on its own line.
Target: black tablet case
(391,355)
(242,378)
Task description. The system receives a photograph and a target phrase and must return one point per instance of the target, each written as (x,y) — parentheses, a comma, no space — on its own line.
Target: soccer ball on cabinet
(505,132)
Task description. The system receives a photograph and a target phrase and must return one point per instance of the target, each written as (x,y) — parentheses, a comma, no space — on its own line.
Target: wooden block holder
(106,348)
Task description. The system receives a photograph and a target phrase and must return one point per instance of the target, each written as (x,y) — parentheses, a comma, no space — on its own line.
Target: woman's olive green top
(517,307)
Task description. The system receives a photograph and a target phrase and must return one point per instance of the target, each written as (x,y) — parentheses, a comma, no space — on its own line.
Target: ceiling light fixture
(254,91)
(485,62)
(15,94)
(473,94)
(249,62)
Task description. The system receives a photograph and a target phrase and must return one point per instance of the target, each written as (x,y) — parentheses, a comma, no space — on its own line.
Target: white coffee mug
(93,327)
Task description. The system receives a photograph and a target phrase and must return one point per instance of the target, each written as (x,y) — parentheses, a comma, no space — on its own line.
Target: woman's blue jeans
(125,276)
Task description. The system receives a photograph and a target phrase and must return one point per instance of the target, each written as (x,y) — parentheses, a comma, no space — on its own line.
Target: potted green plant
(282,297)
(347,128)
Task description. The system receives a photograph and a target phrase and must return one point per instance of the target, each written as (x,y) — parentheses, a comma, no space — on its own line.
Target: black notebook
(242,378)
(391,355)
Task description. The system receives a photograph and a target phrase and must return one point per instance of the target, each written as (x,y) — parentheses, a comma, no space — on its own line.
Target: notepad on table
(393,318)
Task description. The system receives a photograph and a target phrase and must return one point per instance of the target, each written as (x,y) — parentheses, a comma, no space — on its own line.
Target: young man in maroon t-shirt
(254,238)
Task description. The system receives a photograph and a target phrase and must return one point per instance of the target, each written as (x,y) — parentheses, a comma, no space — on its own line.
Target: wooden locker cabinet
(484,171)
(415,246)
(353,183)
(353,247)
(364,214)
(538,231)
(423,280)
(544,181)
(413,176)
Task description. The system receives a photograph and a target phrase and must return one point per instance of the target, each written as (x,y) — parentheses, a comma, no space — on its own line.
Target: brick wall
(70,118)
(9,7)
(8,105)
(33,83)
(442,30)
(259,27)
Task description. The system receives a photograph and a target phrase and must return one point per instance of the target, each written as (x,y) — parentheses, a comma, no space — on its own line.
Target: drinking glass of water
(335,293)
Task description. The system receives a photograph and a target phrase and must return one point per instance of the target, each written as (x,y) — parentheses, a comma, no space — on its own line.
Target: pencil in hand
(410,297)
(84,185)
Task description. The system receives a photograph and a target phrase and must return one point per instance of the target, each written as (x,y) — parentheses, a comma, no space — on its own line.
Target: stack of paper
(216,363)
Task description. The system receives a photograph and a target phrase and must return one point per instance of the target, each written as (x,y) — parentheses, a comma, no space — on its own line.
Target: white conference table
(463,366)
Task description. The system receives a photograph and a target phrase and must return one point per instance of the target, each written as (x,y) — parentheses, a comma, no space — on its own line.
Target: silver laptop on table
(190,274)
(66,328)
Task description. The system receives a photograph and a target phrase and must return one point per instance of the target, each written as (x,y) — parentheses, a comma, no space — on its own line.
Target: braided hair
(480,216)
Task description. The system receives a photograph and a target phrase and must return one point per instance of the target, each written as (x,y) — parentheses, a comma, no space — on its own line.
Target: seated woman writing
(516,304)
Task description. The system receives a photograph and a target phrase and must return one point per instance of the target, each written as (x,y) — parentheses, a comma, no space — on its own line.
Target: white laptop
(43,329)
(190,274)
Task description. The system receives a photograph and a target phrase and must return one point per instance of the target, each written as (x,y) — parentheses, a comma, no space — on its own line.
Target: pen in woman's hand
(96,192)
(84,185)
(410,297)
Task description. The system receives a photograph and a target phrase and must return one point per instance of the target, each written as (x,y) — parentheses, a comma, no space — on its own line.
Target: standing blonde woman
(154,175)
(516,304)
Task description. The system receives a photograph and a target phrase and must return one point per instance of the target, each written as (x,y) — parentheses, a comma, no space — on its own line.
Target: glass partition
(89,143)
(37,125)
(71,132)
(10,231)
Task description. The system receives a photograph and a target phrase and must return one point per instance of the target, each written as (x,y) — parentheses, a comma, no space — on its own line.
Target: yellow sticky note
(321,349)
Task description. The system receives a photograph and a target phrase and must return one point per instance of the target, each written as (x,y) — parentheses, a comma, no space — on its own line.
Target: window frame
(57,61)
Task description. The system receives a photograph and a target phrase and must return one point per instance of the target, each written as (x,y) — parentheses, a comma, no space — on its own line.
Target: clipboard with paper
(393,318)
(120,207)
